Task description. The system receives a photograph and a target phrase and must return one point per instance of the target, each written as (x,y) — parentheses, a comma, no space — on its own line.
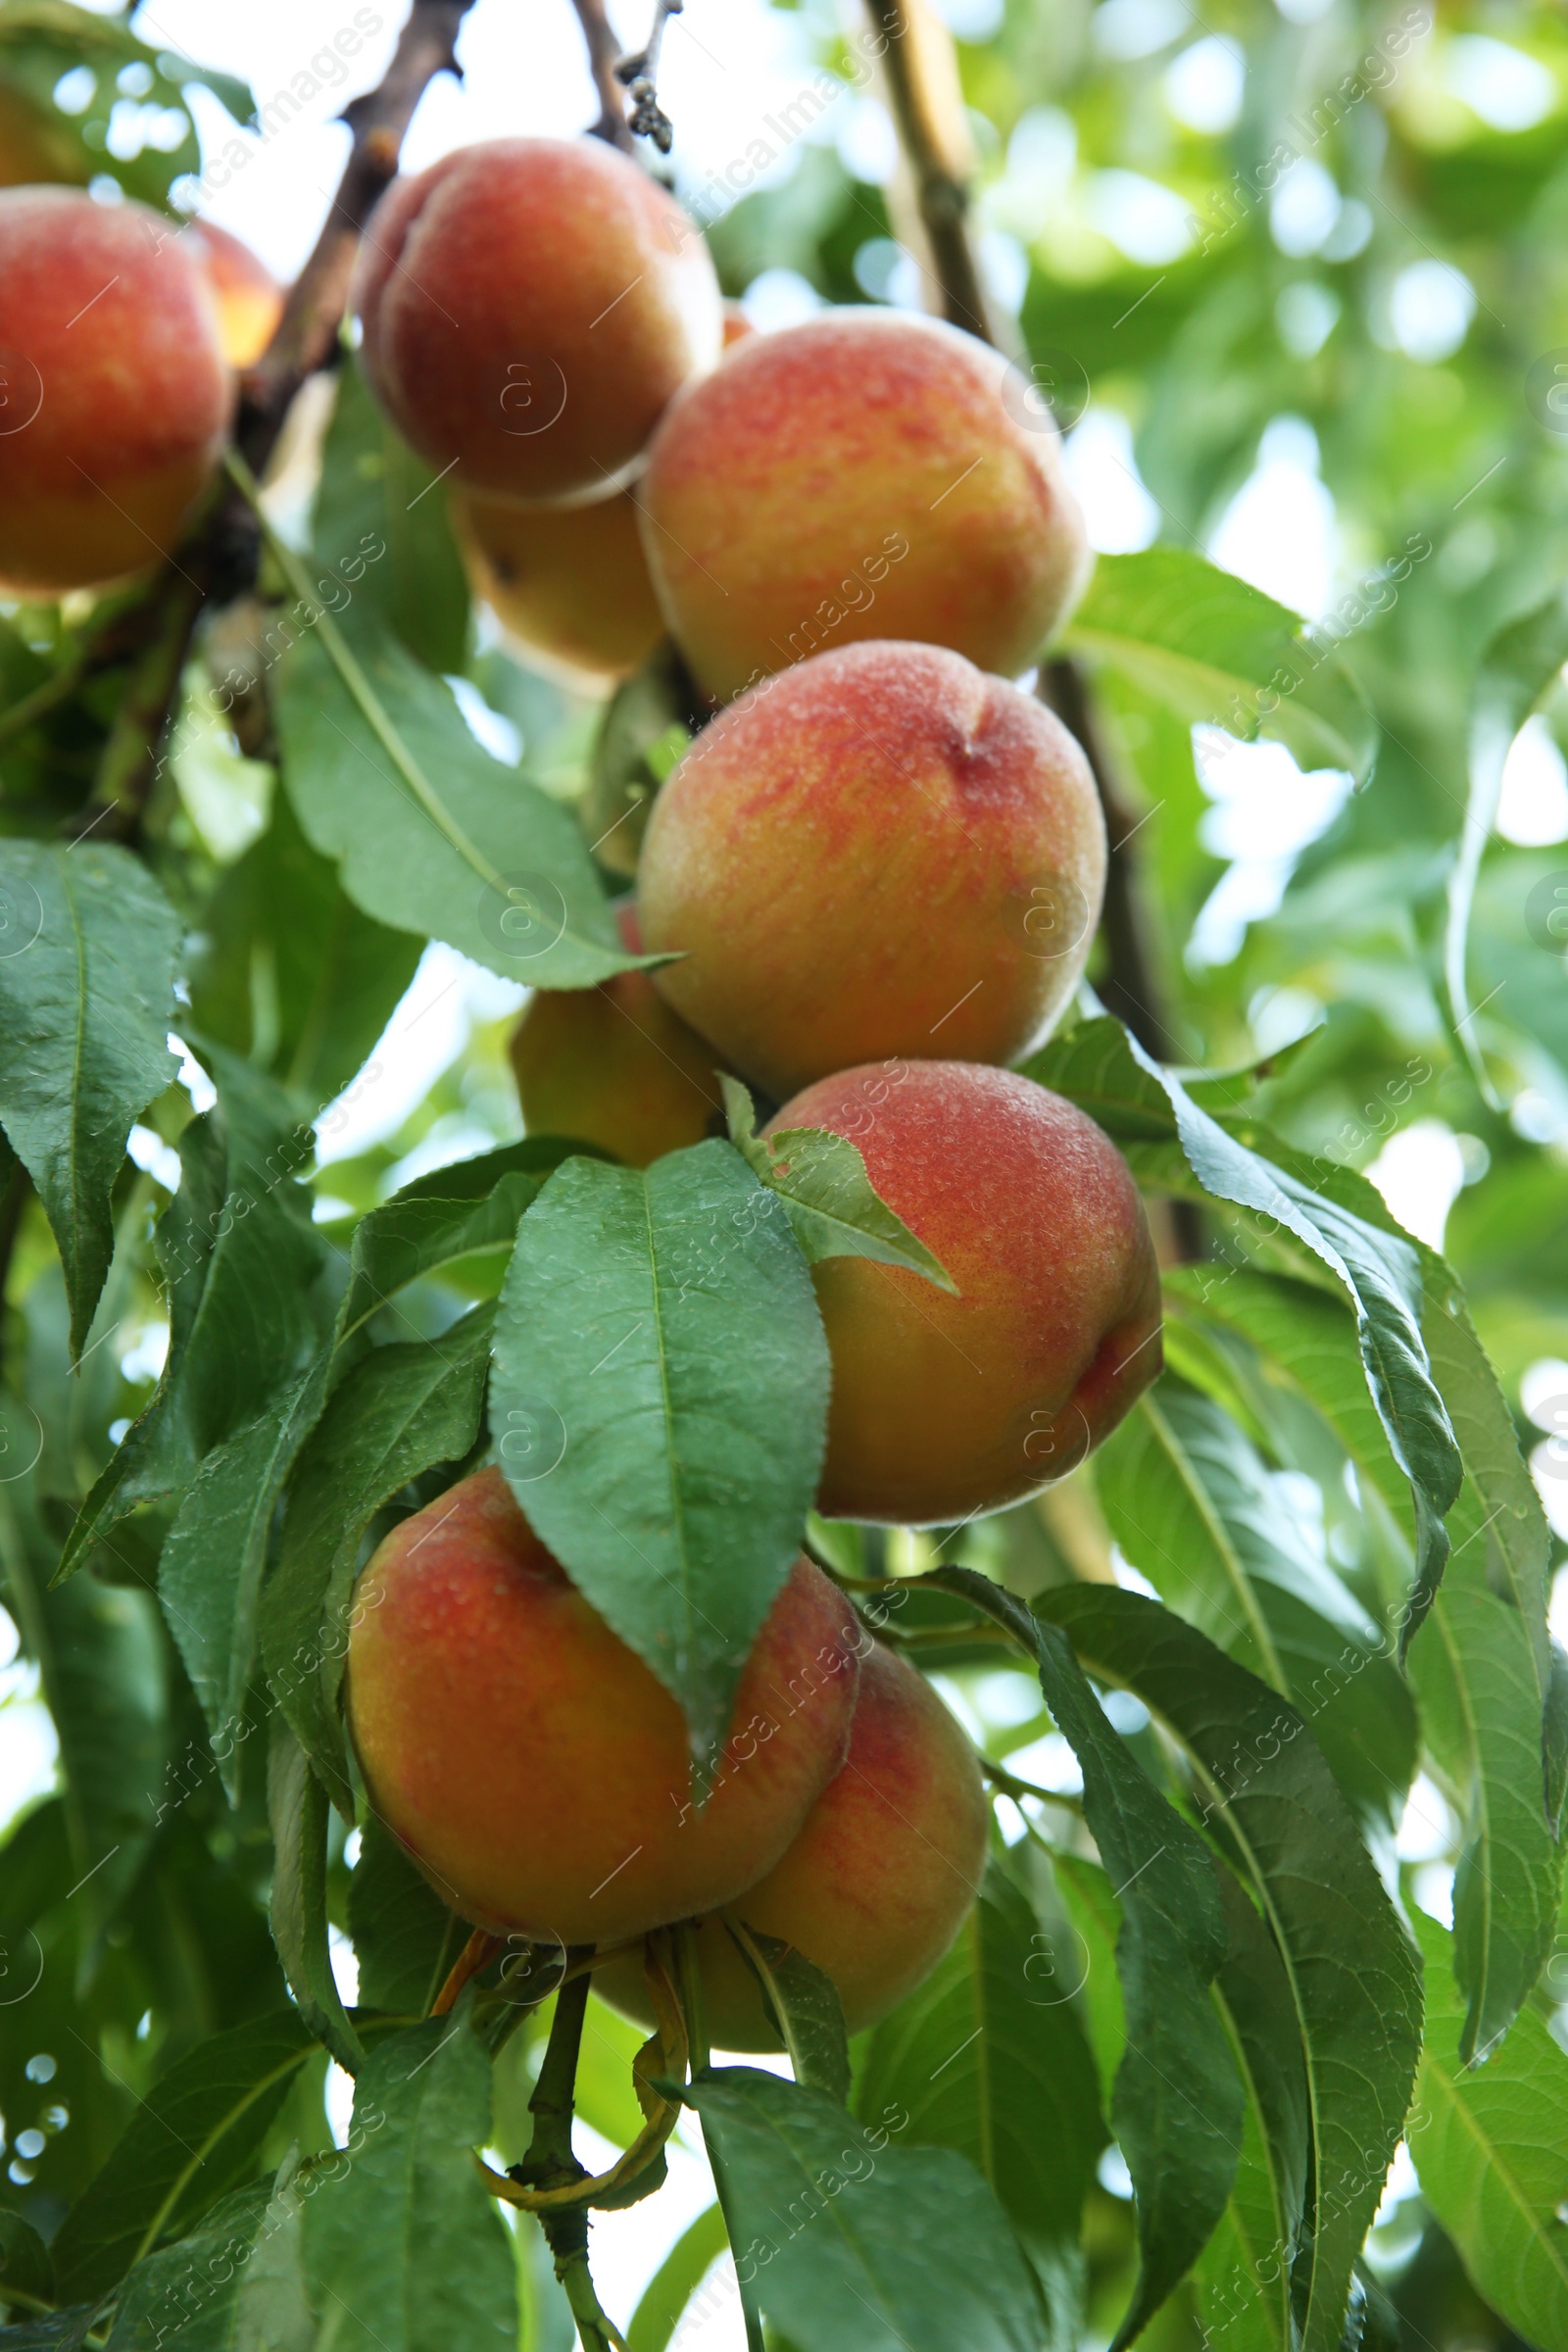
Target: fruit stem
(690,1996)
(1006,1786)
(481,1948)
(552,2103)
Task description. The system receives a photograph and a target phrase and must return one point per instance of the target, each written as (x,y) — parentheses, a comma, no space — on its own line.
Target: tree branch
(604,50)
(306,338)
(218,557)
(922,86)
(927,106)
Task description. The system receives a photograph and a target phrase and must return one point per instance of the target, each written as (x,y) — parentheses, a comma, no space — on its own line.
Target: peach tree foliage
(1214,1960)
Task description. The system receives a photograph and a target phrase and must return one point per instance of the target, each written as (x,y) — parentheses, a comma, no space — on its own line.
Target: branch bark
(922,88)
(218,557)
(927,106)
(604,52)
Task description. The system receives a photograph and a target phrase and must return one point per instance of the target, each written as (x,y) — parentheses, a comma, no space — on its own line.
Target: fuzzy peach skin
(570,584)
(881,852)
(534,1768)
(612,1065)
(862,475)
(114,396)
(946,1407)
(877,1883)
(530,307)
(248,298)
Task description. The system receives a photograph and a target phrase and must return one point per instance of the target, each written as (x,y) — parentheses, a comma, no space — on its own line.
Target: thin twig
(604,51)
(639,71)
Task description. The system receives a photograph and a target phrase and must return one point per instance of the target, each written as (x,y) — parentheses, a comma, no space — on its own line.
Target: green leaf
(402,1410)
(989,2058)
(1177,2105)
(247,1306)
(1353,1975)
(1487,2142)
(1483,1672)
(1379,1270)
(41,41)
(287,972)
(646,727)
(670,2292)
(431,835)
(469,1211)
(103,1665)
(377,494)
(404,2250)
(297,1811)
(844,2239)
(404,1937)
(24,2264)
(1243,2277)
(664,1327)
(187,2143)
(804,2005)
(210,1573)
(833,1207)
(1518,667)
(1187,1498)
(86,999)
(236,2285)
(1219,652)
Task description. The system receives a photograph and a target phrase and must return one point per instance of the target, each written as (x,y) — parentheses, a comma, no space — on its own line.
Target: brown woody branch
(604,52)
(928,109)
(218,557)
(922,91)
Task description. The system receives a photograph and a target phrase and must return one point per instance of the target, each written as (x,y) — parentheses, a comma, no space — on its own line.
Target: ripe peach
(115,397)
(875,1888)
(880,852)
(535,1769)
(862,475)
(569,583)
(612,1065)
(530,307)
(943,1406)
(248,298)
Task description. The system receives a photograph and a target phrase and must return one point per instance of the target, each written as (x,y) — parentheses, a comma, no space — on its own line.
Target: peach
(530,307)
(248,298)
(881,852)
(877,1883)
(570,584)
(115,399)
(864,475)
(945,1406)
(612,1065)
(737,326)
(535,1769)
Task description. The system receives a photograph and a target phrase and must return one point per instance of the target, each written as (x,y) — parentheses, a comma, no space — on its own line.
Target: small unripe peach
(530,307)
(945,1406)
(877,1883)
(568,583)
(114,396)
(862,475)
(248,298)
(613,1065)
(882,852)
(536,1770)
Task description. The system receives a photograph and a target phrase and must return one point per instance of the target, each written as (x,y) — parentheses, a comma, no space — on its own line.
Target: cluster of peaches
(875,874)
(874,877)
